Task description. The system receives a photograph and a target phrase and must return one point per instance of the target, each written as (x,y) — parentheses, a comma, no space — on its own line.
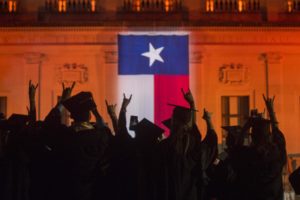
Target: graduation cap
(16,120)
(81,102)
(182,113)
(148,130)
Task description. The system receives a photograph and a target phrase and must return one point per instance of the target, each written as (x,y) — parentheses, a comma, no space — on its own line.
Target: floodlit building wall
(223,62)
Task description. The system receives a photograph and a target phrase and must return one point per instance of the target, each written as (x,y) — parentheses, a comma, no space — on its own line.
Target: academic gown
(259,169)
(146,156)
(82,163)
(16,170)
(180,175)
(122,171)
(209,152)
(74,160)
(224,182)
(45,160)
(269,185)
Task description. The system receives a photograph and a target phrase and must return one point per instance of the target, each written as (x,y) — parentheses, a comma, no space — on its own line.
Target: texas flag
(153,68)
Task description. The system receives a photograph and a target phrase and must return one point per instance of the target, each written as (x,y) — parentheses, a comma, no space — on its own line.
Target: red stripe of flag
(167,89)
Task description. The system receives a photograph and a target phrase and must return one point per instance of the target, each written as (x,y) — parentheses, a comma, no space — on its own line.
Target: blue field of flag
(147,54)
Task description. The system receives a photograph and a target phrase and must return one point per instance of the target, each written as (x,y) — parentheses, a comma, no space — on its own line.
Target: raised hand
(270,107)
(188,96)
(206,115)
(126,101)
(32,90)
(67,91)
(111,108)
(269,103)
(32,108)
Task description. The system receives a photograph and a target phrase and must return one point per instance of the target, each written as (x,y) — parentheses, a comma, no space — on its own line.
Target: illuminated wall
(223,62)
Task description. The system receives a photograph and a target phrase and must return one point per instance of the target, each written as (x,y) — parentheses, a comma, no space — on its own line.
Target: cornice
(107,35)
(152,28)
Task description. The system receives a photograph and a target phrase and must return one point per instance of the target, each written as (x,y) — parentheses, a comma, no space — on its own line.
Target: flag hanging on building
(153,68)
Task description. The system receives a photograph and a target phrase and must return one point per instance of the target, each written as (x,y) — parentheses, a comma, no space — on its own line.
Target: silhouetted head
(80,106)
(181,117)
(260,131)
(234,136)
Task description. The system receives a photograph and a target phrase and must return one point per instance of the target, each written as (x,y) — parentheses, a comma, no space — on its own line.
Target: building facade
(239,50)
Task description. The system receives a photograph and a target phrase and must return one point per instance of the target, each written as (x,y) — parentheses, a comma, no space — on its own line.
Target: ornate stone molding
(110,57)
(233,74)
(69,73)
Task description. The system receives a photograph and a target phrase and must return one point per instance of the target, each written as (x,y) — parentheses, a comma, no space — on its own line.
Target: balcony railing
(233,6)
(70,6)
(152,5)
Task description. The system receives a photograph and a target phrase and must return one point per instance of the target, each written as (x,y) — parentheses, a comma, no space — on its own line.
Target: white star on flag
(153,54)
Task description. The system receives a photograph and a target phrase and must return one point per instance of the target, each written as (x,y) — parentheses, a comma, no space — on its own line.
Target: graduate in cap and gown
(209,153)
(46,150)
(221,173)
(259,166)
(121,181)
(146,155)
(180,173)
(17,131)
(79,152)
(84,155)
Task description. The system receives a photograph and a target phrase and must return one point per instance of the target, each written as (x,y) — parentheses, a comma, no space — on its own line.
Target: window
(167,5)
(209,5)
(235,110)
(62,6)
(3,105)
(293,5)
(290,6)
(241,5)
(137,5)
(9,6)
(93,5)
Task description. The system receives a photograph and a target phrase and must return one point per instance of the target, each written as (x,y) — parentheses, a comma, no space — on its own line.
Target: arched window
(241,6)
(167,5)
(93,5)
(210,5)
(290,6)
(12,6)
(62,5)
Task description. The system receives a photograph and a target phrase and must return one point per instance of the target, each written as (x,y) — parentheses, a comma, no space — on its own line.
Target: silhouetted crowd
(47,160)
